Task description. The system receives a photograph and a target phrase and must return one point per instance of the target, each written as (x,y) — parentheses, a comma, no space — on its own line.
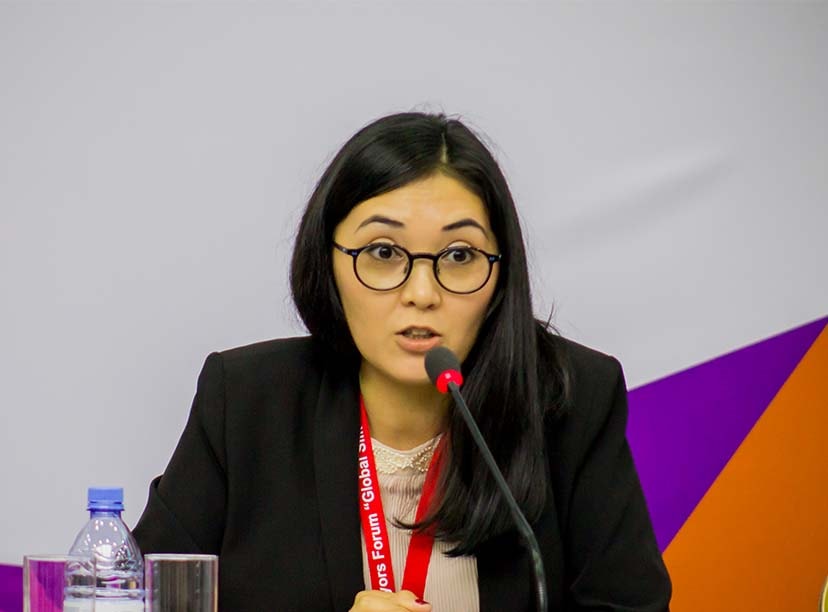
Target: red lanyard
(374,528)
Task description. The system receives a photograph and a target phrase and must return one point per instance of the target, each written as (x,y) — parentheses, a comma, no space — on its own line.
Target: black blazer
(265,476)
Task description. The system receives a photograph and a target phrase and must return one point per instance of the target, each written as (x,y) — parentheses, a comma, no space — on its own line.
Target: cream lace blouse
(451,583)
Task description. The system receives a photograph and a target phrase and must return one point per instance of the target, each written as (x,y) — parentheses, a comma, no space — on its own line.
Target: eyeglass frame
(434,257)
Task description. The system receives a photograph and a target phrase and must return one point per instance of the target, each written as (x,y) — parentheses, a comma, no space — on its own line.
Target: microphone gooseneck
(443,369)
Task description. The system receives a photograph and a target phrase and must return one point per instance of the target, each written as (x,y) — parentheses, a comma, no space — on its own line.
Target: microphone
(443,369)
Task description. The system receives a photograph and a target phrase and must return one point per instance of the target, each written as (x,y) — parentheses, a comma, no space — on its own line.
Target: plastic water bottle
(120,566)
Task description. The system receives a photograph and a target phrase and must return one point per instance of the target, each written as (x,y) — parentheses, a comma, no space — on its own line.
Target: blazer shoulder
(278,353)
(597,393)
(588,367)
(271,366)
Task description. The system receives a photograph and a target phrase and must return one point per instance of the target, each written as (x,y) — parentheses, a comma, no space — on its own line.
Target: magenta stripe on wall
(11,588)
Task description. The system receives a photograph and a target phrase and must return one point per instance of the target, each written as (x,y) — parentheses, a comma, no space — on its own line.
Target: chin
(409,374)
(402,368)
(416,380)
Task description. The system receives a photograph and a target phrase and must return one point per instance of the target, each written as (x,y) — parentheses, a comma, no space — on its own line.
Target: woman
(410,240)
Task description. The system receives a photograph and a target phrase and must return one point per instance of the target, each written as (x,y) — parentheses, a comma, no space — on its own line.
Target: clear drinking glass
(49,580)
(181,583)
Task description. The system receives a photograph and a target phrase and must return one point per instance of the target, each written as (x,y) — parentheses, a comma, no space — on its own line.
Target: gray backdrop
(668,160)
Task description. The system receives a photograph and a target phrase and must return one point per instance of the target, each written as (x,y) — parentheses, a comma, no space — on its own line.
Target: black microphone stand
(522,524)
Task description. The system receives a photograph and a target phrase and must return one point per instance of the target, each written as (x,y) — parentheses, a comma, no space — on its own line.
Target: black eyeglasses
(382,266)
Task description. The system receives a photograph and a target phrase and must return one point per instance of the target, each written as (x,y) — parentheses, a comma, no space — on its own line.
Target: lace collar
(392,461)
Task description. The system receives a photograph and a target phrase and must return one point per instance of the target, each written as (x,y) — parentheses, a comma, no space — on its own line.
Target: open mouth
(418,333)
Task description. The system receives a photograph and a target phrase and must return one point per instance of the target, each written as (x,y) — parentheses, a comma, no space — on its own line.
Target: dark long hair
(515,373)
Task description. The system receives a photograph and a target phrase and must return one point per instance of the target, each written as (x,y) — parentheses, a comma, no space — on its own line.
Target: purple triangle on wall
(684,428)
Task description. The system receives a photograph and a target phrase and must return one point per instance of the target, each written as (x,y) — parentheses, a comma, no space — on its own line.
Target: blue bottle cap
(105,498)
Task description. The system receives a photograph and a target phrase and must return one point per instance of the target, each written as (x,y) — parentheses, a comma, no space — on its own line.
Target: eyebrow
(446,228)
(465,223)
(381,219)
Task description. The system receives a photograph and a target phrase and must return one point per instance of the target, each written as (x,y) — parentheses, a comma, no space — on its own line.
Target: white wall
(669,162)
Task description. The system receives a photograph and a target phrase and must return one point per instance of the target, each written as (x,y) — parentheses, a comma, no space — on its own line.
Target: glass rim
(179,557)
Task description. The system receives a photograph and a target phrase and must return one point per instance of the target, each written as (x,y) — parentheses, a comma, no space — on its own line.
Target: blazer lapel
(503,578)
(336,429)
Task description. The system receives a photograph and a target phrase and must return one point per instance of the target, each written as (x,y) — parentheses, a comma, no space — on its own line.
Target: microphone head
(443,367)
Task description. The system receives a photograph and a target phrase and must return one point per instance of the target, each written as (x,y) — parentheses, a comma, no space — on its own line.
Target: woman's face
(394,329)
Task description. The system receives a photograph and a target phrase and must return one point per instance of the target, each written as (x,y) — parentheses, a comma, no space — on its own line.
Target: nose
(421,289)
